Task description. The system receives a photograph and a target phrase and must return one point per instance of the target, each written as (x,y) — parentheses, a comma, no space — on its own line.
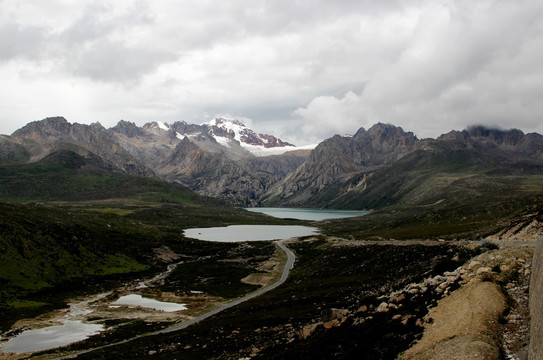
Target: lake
(308,214)
(237,233)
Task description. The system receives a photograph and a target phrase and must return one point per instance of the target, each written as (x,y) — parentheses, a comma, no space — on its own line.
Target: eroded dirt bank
(487,317)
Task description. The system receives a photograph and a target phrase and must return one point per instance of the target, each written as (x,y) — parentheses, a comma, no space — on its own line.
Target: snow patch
(222,141)
(259,150)
(239,129)
(162,125)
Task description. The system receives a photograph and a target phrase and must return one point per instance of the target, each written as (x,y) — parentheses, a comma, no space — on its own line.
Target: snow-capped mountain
(225,130)
(221,158)
(230,134)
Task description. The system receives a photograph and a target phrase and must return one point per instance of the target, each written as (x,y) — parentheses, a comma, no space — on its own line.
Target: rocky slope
(330,169)
(222,158)
(240,182)
(41,138)
(487,316)
(375,168)
(11,150)
(386,166)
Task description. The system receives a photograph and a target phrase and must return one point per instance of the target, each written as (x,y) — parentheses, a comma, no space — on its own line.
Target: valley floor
(347,299)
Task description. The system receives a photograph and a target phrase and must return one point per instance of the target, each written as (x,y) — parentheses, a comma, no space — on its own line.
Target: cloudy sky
(304,70)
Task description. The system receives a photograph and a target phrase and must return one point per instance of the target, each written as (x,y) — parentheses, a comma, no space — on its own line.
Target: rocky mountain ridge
(386,166)
(41,138)
(380,166)
(222,158)
(337,160)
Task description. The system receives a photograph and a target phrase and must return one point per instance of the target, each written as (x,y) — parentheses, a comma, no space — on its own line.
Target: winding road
(284,275)
(288,265)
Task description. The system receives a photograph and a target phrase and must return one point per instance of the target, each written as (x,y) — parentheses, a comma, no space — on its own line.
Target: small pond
(138,300)
(237,233)
(51,337)
(308,214)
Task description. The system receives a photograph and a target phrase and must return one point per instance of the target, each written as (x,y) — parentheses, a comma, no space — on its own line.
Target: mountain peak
(224,122)
(224,130)
(511,137)
(97,125)
(47,125)
(479,134)
(127,128)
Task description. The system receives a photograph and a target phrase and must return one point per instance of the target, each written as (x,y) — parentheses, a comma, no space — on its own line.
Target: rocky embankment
(486,317)
(479,310)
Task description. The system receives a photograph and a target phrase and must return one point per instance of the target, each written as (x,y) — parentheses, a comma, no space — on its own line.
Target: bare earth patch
(463,325)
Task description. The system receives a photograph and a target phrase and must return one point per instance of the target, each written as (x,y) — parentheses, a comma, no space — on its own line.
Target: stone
(330,324)
(362,309)
(308,330)
(483,270)
(398,298)
(335,314)
(383,307)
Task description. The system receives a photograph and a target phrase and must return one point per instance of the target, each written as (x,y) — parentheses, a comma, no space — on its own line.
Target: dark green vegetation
(66,176)
(89,228)
(470,213)
(48,253)
(456,177)
(442,193)
(219,275)
(326,277)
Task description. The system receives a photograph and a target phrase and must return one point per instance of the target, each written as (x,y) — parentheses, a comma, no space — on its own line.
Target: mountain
(330,168)
(41,138)
(229,137)
(240,182)
(221,158)
(386,166)
(11,150)
(67,176)
(381,166)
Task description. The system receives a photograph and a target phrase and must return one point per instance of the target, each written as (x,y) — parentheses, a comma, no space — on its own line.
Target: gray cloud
(114,61)
(304,70)
(20,41)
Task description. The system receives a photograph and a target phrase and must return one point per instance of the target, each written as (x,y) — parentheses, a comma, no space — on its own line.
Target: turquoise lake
(308,214)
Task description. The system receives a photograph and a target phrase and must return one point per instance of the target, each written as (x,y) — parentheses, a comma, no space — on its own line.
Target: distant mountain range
(223,158)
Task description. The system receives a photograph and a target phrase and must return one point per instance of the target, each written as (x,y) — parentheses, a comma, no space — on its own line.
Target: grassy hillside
(66,176)
(441,193)
(425,177)
(68,224)
(46,253)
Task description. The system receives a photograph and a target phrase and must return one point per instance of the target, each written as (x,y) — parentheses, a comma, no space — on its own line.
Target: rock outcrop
(329,170)
(41,138)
